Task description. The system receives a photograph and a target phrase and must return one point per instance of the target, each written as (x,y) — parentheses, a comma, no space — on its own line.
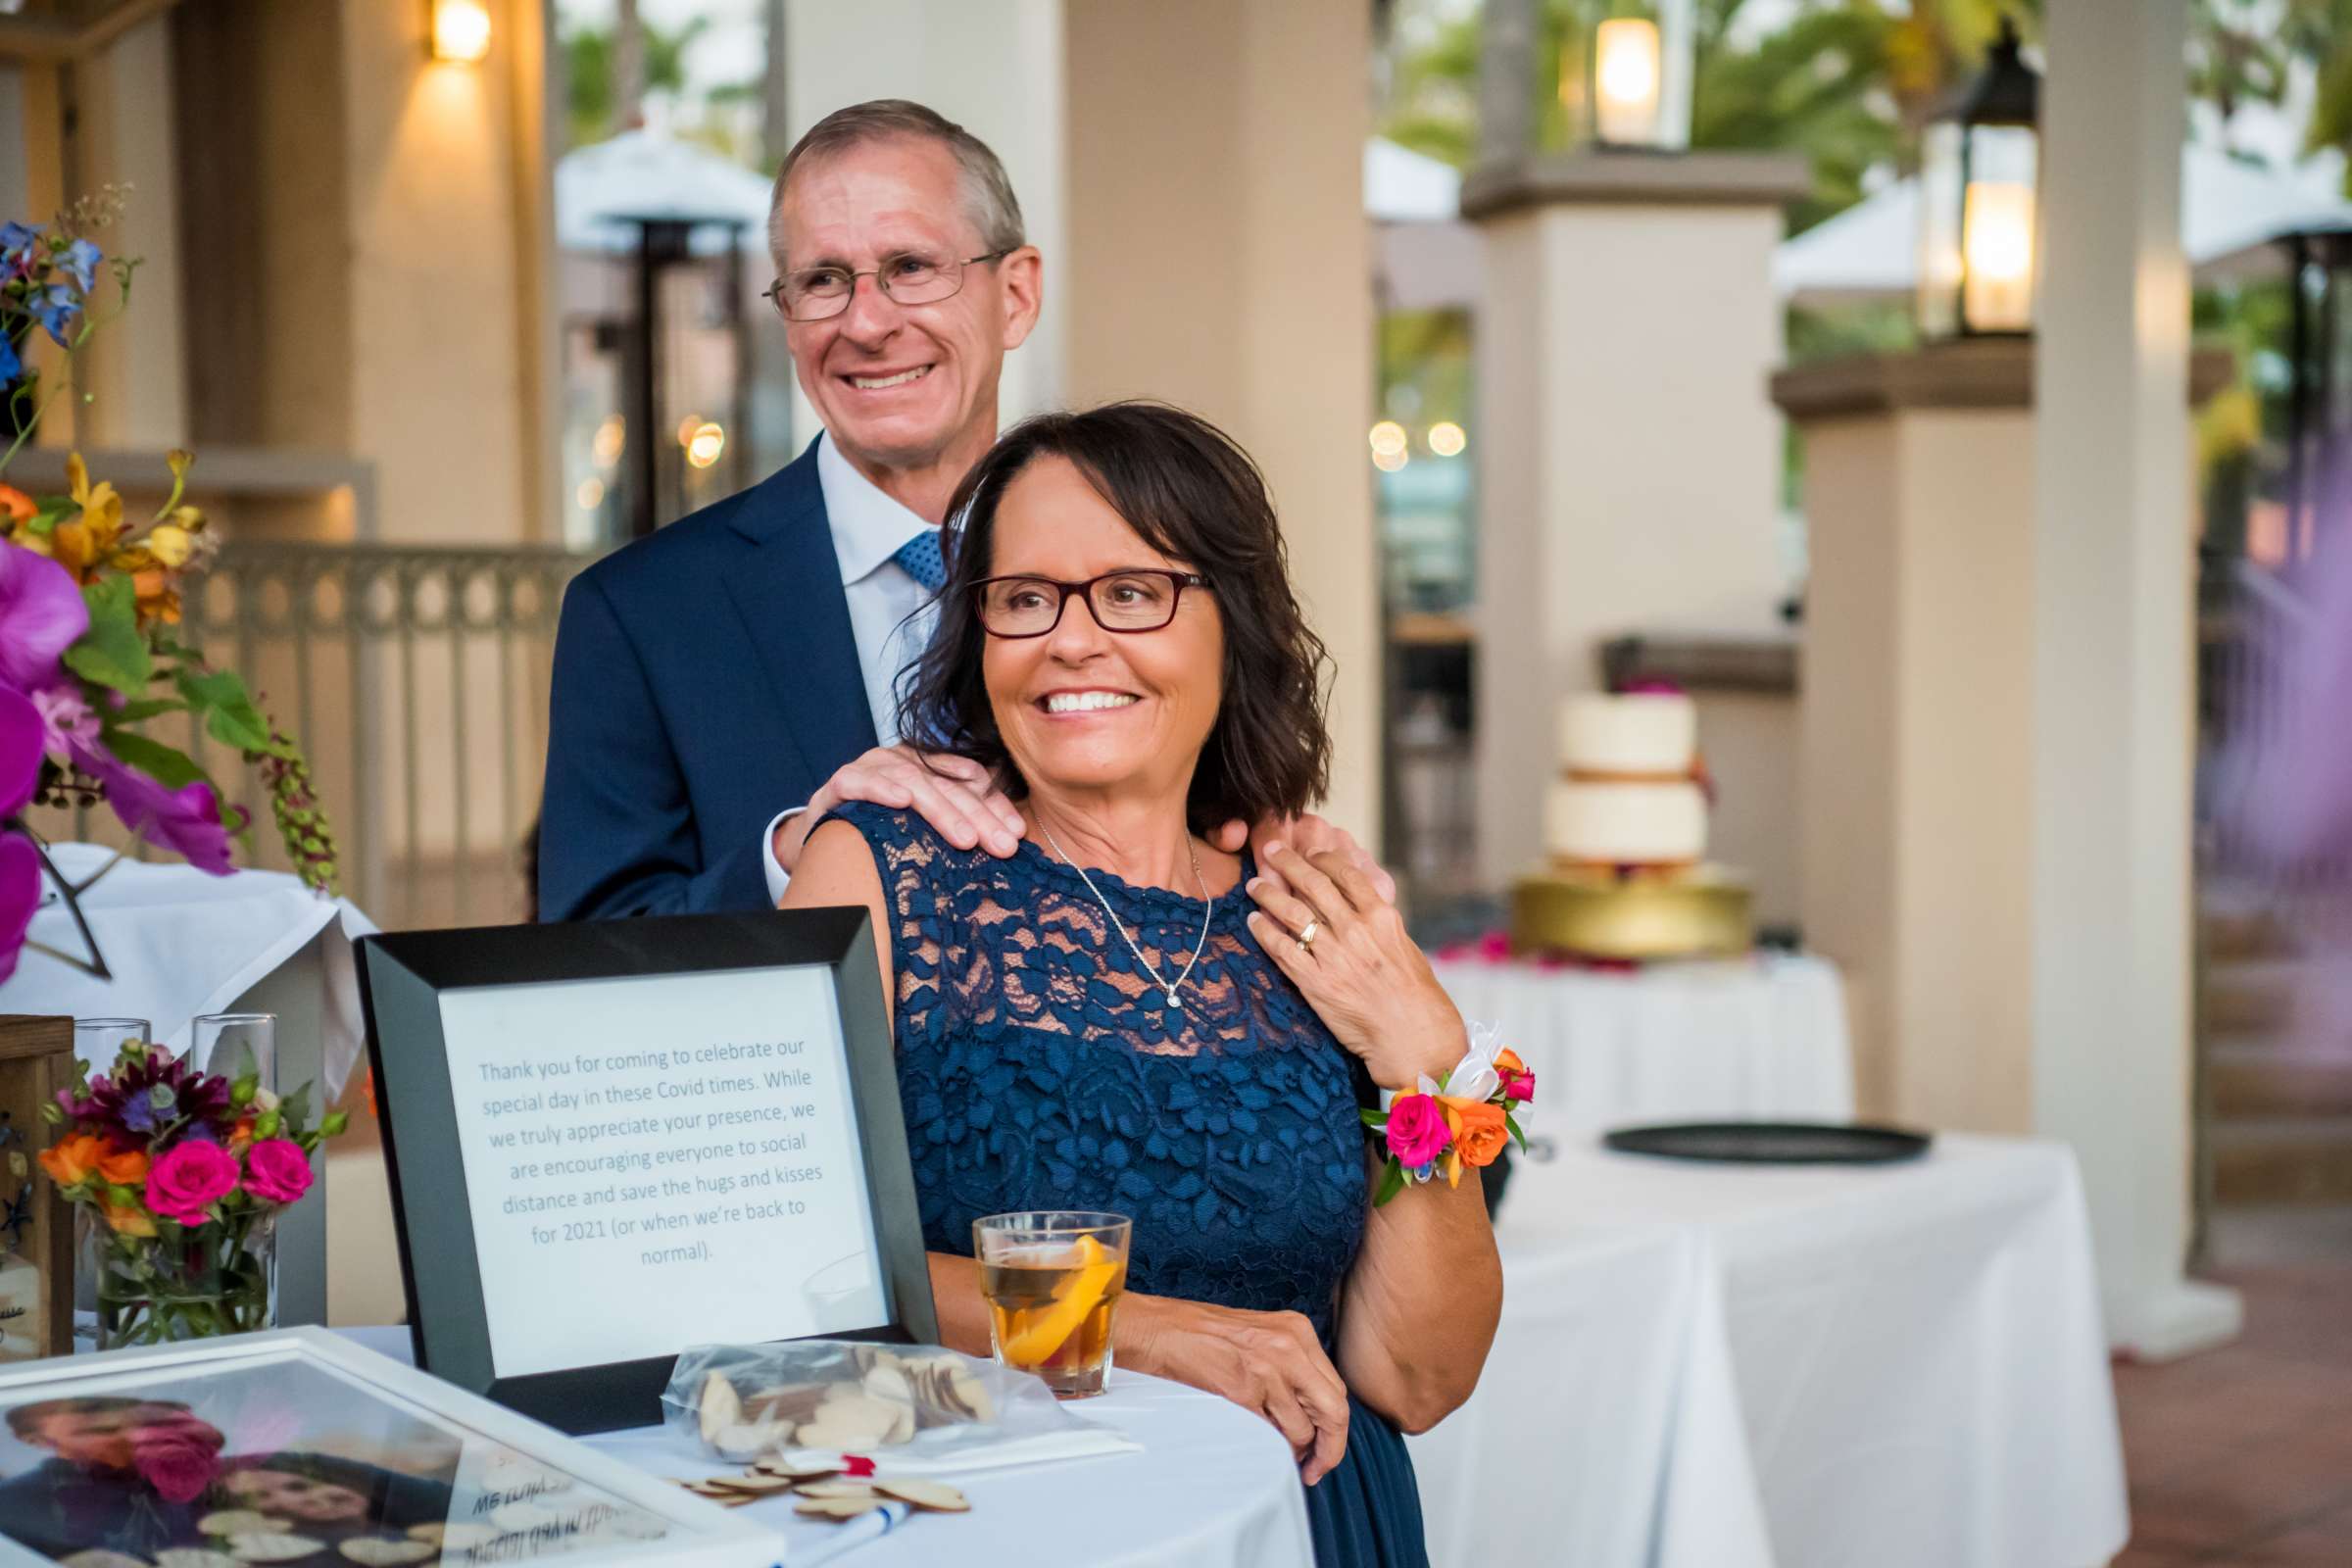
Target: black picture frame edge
(627,1393)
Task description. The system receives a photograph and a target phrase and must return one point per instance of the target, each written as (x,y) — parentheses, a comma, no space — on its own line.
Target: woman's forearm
(1421,1305)
(957,1301)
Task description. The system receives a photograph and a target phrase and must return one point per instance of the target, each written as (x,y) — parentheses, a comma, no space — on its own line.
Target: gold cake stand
(1706,912)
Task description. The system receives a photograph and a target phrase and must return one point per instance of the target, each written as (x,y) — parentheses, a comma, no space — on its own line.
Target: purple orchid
(186,821)
(20,897)
(41,613)
(69,724)
(20,747)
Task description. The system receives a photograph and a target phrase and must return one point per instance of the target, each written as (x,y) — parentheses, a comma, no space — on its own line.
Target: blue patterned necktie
(920,559)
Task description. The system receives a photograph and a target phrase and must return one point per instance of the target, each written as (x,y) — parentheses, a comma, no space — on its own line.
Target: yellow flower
(87,540)
(128,1220)
(170,544)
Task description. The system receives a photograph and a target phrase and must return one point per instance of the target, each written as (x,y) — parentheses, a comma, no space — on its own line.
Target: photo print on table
(285,1461)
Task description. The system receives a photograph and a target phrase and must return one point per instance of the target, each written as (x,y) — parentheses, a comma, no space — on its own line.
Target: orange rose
(16,504)
(1482,1135)
(127,1168)
(1506,1060)
(240,1137)
(73,1159)
(128,1220)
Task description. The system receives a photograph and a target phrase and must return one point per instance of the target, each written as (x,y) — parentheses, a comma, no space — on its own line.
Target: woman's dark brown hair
(1192,494)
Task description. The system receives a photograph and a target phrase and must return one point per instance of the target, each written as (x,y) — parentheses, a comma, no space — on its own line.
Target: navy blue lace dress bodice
(1039,1067)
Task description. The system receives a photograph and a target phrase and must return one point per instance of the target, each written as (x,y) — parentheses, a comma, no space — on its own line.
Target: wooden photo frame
(570,1111)
(36,1061)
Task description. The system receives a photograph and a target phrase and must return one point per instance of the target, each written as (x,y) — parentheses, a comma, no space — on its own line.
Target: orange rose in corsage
(1482,1135)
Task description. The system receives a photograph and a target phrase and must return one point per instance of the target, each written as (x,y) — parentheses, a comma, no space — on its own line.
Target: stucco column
(2114,678)
(1628,458)
(1220,258)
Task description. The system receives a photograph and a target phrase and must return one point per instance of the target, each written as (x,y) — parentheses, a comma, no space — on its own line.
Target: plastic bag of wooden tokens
(833,1420)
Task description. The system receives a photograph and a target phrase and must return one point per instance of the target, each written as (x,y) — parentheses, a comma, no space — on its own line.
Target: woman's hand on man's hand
(1359,969)
(1269,1362)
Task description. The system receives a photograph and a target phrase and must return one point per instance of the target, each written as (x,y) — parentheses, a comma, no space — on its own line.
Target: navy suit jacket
(705,680)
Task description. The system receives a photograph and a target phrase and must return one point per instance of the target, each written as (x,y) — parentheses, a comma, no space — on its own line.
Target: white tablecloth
(1758,1038)
(1914,1364)
(182,944)
(1214,1488)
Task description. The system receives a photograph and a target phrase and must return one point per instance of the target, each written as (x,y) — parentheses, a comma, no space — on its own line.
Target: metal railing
(415,679)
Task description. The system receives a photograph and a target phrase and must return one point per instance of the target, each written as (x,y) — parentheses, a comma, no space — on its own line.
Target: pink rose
(1417,1130)
(192,1176)
(179,1465)
(277,1170)
(1519,1086)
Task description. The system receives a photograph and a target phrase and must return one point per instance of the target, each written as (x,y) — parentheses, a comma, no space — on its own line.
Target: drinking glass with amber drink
(1052,1279)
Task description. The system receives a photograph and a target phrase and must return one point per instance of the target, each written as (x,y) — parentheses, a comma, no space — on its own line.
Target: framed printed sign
(299,1447)
(613,1140)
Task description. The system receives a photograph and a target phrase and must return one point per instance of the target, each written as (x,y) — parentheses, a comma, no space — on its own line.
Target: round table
(1214,1488)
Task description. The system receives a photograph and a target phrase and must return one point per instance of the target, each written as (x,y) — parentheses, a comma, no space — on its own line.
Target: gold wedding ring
(1306,938)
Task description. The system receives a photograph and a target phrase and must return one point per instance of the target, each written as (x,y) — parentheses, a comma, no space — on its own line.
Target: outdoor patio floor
(2243,1455)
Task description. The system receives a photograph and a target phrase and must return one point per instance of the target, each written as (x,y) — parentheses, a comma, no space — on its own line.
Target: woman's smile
(1087,703)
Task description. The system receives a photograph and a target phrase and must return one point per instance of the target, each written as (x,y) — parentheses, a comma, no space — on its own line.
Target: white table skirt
(1758,1038)
(1214,1488)
(1913,1354)
(182,944)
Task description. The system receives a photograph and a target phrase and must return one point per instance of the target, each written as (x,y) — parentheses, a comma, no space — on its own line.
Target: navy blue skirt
(1367,1512)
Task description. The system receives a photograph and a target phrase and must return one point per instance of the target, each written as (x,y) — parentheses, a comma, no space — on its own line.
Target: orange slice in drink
(1035,1342)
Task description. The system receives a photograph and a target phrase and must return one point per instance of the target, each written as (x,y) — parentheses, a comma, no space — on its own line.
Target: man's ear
(1022,279)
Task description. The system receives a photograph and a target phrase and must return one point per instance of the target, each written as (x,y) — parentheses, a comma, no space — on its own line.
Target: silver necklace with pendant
(1166,986)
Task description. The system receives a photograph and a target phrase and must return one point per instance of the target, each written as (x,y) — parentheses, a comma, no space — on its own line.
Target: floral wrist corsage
(1461,1119)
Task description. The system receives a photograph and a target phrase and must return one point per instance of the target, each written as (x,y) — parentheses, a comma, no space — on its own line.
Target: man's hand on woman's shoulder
(954,796)
(1309,835)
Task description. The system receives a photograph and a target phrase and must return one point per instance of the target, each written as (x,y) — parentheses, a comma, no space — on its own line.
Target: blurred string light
(1447,440)
(1387,440)
(1389,461)
(689,427)
(591,494)
(705,445)
(606,448)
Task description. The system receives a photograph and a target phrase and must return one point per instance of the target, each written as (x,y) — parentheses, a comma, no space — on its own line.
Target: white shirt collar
(869,525)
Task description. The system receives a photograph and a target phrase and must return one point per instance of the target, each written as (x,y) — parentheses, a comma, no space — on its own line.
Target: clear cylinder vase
(198,1283)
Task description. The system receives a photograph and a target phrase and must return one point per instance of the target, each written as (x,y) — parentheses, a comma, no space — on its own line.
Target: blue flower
(9,366)
(81,261)
(58,310)
(15,247)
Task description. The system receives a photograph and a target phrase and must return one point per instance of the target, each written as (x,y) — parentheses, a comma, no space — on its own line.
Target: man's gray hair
(988,196)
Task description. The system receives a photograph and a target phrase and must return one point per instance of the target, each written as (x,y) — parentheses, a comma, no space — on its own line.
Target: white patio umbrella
(643,174)
(1424,256)
(2231,212)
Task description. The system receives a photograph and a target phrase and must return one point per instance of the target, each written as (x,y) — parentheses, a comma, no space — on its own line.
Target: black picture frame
(401,976)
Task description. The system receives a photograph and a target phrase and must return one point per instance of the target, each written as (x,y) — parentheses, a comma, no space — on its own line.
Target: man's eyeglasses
(1140,599)
(816,293)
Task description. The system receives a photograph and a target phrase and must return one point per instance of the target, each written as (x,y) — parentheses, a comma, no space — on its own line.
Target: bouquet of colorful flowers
(183,1173)
(89,615)
(1461,1119)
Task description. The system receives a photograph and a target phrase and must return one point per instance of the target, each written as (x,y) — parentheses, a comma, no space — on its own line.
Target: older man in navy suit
(722,684)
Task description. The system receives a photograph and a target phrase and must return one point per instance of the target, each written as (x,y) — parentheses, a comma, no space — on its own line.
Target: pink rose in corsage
(1416,1130)
(277,1170)
(189,1179)
(180,1463)
(1465,1118)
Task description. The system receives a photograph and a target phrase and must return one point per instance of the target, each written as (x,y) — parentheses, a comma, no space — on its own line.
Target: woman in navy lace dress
(1122,1016)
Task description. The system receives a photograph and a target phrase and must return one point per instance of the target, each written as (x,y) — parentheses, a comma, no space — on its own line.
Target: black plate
(1773,1143)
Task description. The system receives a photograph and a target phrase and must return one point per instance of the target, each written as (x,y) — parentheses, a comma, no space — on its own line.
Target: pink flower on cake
(193,1176)
(1418,1129)
(277,1170)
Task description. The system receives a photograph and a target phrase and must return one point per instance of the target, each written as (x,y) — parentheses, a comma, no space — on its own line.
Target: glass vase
(191,1283)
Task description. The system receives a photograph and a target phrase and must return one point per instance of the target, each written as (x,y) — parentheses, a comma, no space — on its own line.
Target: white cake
(1628,793)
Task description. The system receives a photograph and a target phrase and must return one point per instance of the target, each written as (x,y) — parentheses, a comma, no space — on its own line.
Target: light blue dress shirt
(891,615)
